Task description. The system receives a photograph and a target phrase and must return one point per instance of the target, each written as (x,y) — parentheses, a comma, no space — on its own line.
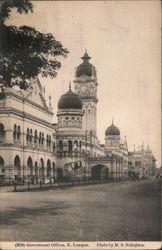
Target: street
(124,211)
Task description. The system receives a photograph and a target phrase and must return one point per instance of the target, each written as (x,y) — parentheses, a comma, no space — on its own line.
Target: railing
(65,182)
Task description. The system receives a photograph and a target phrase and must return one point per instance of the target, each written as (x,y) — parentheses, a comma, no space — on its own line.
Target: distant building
(34,149)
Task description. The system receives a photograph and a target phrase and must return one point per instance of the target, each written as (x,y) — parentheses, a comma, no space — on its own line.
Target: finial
(69,85)
(112,121)
(50,104)
(86,57)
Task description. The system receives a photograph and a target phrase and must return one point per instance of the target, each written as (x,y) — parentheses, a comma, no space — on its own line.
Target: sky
(123,39)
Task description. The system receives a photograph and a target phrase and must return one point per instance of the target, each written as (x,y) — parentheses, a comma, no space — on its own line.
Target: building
(33,148)
(142,161)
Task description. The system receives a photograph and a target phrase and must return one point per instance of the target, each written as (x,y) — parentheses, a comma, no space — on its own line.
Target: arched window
(17,166)
(75,145)
(27,135)
(30,166)
(41,167)
(89,111)
(60,146)
(40,137)
(31,135)
(54,146)
(80,145)
(1,165)
(2,133)
(35,136)
(70,146)
(48,168)
(47,140)
(59,174)
(18,133)
(53,167)
(36,169)
(15,133)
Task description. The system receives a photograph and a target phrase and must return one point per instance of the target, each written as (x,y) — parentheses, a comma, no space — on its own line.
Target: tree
(25,52)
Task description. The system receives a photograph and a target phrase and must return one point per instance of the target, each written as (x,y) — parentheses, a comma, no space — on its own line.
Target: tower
(69,131)
(112,138)
(85,82)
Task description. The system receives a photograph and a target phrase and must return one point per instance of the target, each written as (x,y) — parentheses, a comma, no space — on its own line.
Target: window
(53,166)
(70,146)
(42,138)
(48,168)
(47,140)
(60,146)
(35,136)
(18,133)
(17,170)
(2,133)
(31,135)
(15,133)
(53,146)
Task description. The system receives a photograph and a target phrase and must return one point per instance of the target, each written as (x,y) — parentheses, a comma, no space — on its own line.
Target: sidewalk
(6,189)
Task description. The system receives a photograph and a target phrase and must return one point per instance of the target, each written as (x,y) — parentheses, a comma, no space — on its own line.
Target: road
(126,211)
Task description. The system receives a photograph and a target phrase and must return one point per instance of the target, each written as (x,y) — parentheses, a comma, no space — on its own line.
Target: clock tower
(85,82)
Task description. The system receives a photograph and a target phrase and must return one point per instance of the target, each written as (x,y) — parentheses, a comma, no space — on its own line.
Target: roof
(112,130)
(85,68)
(70,100)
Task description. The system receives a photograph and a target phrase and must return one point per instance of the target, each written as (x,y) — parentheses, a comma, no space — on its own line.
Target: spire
(112,121)
(69,85)
(50,105)
(86,57)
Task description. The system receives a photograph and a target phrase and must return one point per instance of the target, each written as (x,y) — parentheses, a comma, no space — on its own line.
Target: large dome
(112,130)
(70,100)
(84,68)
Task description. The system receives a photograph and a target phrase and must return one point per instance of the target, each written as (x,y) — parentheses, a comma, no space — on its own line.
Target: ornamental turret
(112,137)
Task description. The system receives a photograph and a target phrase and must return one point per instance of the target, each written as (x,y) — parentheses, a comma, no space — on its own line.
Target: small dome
(112,130)
(70,100)
(84,68)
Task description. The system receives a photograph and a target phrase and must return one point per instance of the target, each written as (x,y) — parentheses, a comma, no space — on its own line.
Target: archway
(41,167)
(99,172)
(53,168)
(48,168)
(59,174)
(30,166)
(36,169)
(17,170)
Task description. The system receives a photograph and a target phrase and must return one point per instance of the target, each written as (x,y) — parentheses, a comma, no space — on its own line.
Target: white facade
(33,148)
(27,145)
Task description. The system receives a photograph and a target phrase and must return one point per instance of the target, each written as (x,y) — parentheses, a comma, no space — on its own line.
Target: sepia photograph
(80,124)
